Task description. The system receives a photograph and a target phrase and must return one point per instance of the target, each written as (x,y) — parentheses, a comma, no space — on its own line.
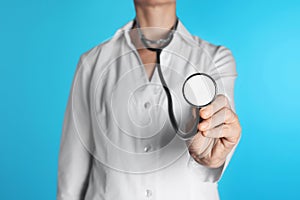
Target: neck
(155,20)
(157,15)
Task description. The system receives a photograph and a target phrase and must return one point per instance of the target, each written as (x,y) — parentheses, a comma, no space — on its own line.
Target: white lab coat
(117,141)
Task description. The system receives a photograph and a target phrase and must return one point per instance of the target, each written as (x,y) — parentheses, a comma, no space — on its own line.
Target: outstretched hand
(221,130)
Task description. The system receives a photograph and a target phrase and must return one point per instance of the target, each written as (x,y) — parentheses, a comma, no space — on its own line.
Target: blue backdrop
(41,42)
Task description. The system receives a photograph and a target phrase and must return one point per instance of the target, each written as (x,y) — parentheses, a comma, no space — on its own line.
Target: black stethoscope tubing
(183,135)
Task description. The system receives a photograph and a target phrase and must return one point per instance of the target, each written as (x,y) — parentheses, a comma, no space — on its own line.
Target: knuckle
(229,115)
(205,133)
(239,133)
(227,111)
(235,139)
(239,128)
(225,128)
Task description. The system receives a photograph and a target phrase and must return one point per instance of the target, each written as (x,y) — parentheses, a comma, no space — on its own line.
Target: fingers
(217,132)
(219,121)
(217,156)
(220,102)
(200,145)
(225,115)
(229,131)
(222,125)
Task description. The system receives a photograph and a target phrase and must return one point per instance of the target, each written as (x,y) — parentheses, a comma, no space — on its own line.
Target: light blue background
(41,42)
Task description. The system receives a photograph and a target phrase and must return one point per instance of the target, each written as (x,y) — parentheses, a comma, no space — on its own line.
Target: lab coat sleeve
(224,73)
(74,160)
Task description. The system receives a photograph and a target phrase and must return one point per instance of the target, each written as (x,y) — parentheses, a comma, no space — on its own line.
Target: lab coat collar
(181,31)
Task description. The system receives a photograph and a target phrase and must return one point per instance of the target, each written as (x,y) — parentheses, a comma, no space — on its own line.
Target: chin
(154,2)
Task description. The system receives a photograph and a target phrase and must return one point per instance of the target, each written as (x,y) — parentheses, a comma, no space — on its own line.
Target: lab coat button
(147,148)
(148,193)
(147,105)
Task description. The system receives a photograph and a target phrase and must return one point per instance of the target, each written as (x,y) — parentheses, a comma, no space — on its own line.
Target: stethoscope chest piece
(199,89)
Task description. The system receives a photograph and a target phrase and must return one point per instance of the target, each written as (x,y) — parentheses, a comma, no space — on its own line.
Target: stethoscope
(199,89)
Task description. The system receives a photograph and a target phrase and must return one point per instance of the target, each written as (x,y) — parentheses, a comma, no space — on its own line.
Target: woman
(117,140)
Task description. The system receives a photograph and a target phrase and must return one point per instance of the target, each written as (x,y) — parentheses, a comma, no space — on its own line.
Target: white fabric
(117,141)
